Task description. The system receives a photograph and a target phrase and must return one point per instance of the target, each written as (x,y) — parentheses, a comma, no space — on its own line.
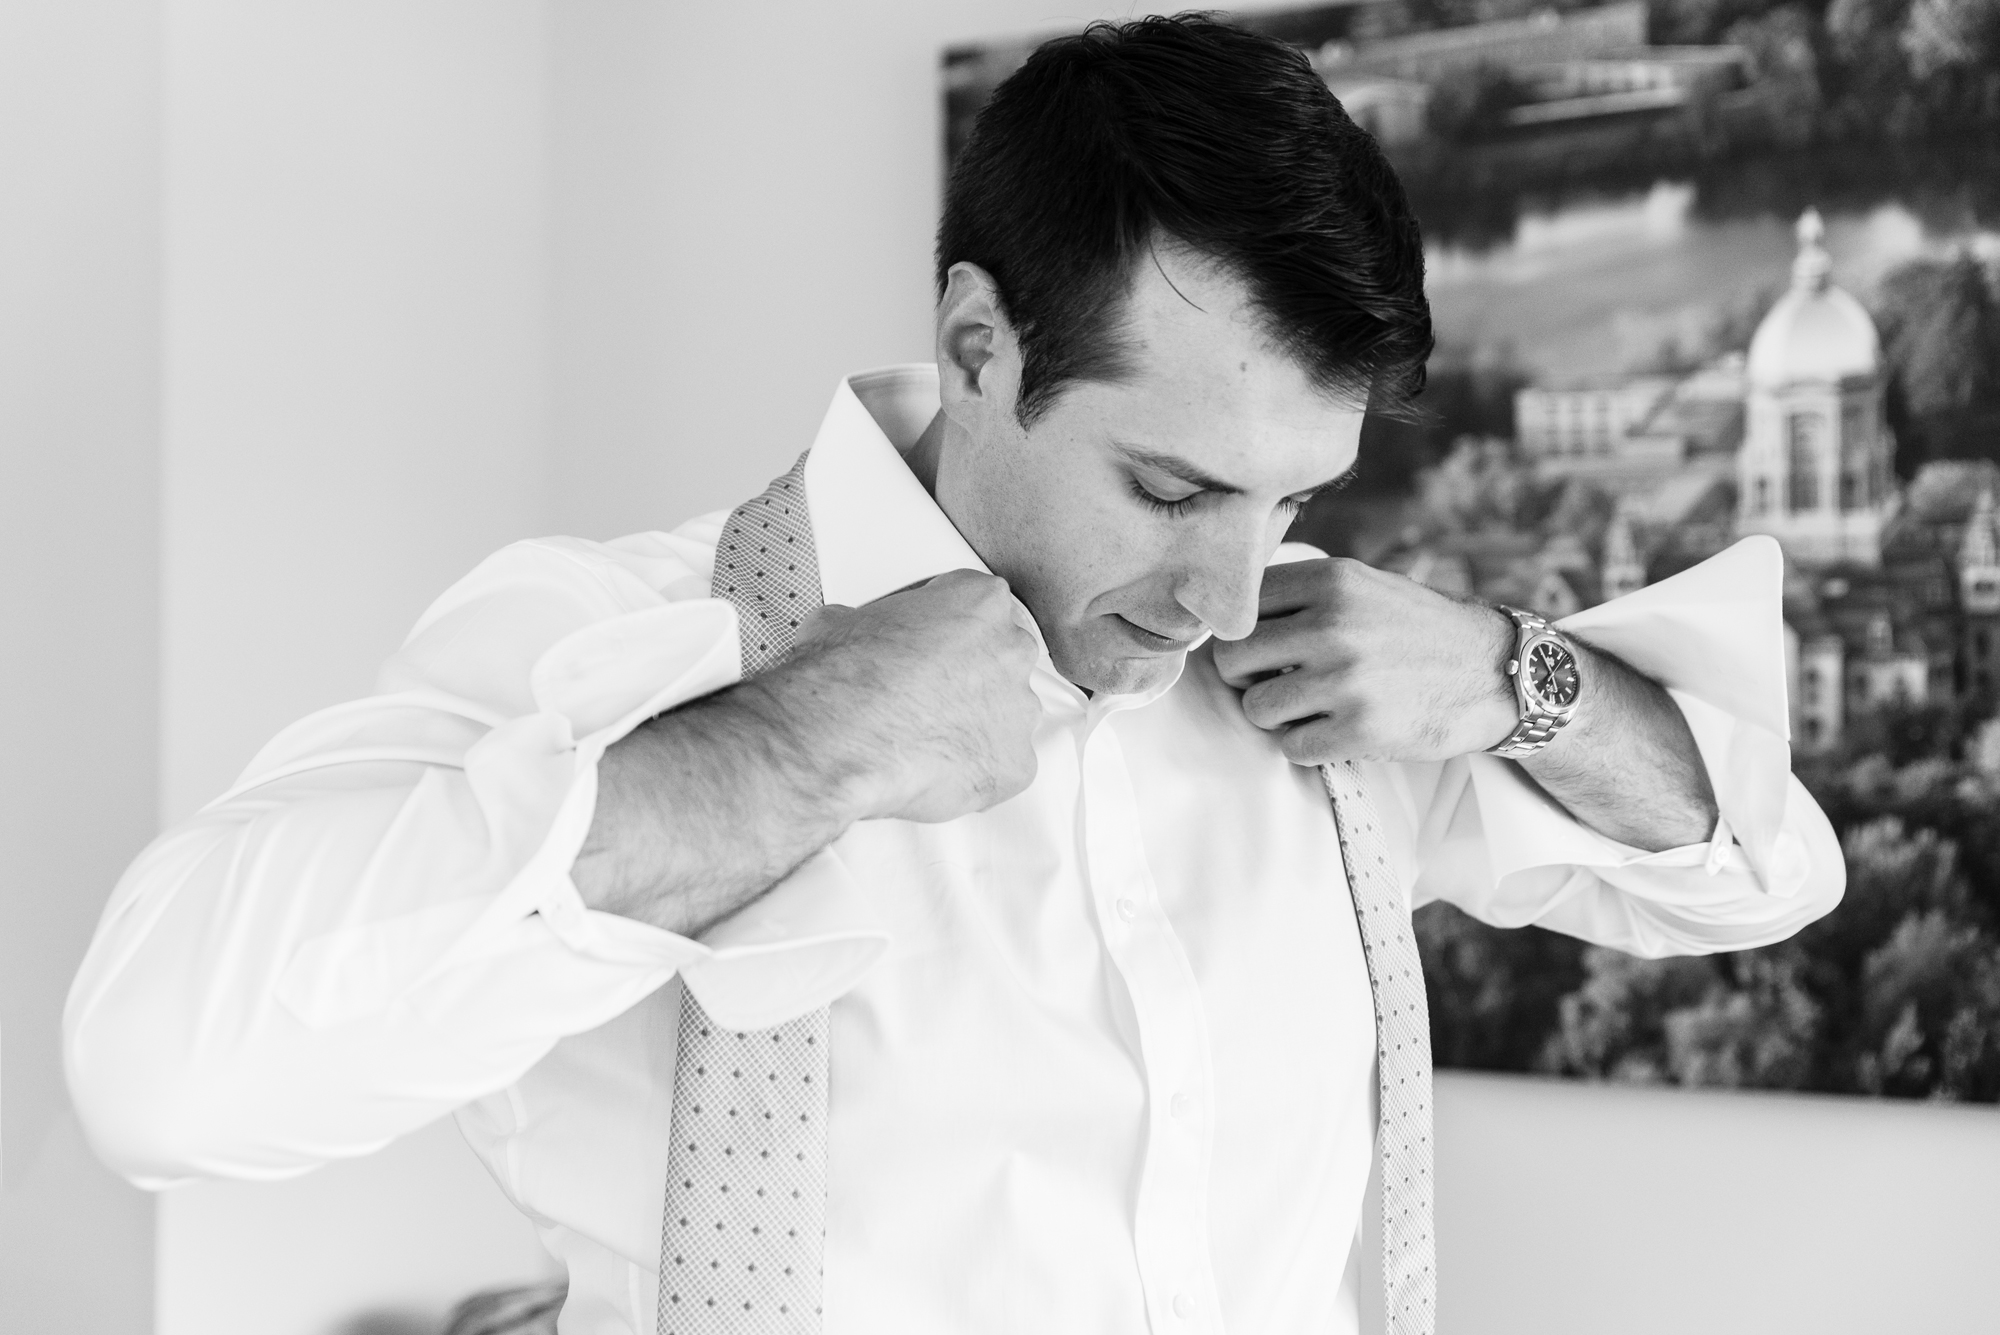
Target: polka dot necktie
(1402,1056)
(745,1226)
(745,1218)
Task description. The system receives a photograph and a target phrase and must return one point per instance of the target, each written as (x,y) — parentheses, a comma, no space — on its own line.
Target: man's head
(1172,275)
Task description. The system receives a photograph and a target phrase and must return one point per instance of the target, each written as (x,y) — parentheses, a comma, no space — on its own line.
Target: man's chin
(1104,675)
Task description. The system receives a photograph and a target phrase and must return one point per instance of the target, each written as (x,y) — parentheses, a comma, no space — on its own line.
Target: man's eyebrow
(1333,483)
(1175,466)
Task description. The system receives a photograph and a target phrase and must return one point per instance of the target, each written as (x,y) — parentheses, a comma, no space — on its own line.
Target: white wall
(1567,1209)
(355,335)
(79,612)
(744,200)
(356,412)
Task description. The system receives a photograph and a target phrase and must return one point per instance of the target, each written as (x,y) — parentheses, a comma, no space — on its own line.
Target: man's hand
(928,693)
(915,706)
(1350,663)
(1353,663)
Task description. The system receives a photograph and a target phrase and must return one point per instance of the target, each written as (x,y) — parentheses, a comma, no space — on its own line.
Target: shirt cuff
(796,948)
(1713,635)
(534,779)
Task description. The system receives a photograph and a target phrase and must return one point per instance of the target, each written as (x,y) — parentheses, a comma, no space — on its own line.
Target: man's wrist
(814,737)
(1495,707)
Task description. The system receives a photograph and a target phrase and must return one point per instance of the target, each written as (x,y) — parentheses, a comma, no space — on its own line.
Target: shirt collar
(875,528)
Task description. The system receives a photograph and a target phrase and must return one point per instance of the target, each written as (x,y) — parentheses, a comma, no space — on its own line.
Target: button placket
(1171,1224)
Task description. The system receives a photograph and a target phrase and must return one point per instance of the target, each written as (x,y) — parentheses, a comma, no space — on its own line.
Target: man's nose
(1221,585)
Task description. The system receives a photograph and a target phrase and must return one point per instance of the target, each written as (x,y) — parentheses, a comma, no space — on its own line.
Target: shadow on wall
(388,1323)
(528,1310)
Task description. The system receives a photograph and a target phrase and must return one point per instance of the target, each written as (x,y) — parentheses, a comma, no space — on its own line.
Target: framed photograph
(1701,269)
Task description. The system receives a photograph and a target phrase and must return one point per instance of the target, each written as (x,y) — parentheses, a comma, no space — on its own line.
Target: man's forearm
(702,810)
(916,706)
(1627,766)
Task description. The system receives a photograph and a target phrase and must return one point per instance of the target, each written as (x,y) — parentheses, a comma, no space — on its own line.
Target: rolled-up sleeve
(377,923)
(1479,834)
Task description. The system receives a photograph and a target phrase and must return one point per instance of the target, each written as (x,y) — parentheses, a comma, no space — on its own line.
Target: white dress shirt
(1102,1056)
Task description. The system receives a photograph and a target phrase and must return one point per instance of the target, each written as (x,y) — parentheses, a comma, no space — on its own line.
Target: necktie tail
(1403,1057)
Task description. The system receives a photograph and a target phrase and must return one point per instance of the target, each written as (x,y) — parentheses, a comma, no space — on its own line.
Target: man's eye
(1160,504)
(1293,506)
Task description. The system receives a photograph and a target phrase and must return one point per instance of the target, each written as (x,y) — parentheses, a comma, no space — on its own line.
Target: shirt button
(1183,1306)
(1182,1106)
(1128,909)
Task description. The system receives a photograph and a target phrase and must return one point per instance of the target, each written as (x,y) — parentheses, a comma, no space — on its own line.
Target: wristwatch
(1546,681)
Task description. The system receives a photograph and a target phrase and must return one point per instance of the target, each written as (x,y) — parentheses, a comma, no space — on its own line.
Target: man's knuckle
(1301,745)
(1258,705)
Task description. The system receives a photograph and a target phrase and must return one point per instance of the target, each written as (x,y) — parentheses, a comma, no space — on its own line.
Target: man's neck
(924,456)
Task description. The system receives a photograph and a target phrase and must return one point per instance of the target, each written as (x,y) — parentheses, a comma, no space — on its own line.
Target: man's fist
(921,698)
(1352,663)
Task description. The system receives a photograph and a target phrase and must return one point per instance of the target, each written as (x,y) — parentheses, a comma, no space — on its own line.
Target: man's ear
(975,343)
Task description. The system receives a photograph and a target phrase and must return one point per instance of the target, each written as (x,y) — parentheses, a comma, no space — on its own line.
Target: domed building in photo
(1815,467)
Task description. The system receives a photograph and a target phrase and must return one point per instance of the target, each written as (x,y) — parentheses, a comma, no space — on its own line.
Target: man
(1031,804)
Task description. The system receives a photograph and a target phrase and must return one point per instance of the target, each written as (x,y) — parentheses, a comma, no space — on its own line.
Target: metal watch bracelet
(1536,727)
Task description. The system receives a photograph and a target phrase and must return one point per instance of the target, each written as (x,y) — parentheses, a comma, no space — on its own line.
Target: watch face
(1552,672)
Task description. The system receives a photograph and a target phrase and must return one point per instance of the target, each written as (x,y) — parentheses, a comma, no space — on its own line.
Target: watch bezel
(1529,696)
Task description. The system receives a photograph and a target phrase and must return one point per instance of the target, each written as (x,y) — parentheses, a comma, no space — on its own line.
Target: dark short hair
(1192,130)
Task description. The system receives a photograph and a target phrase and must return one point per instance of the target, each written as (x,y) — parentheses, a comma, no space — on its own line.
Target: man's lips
(1153,640)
